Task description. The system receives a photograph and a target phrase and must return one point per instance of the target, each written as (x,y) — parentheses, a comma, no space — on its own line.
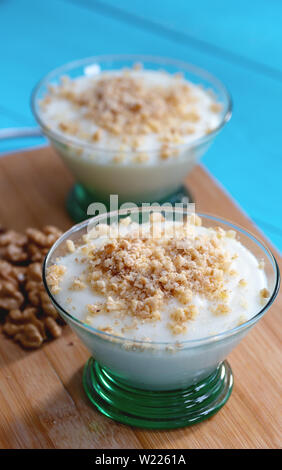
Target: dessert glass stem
(79,199)
(157,409)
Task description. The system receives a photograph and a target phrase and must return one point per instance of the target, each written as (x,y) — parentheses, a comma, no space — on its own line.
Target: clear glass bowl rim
(186,343)
(162,61)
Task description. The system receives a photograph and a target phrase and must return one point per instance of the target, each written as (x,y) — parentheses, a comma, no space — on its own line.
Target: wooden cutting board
(42,402)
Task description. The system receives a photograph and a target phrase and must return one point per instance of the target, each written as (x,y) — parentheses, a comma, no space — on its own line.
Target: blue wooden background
(237,40)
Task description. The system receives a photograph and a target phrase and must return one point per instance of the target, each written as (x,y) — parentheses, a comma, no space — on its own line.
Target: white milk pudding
(159,298)
(132,132)
(131,110)
(161,281)
(160,304)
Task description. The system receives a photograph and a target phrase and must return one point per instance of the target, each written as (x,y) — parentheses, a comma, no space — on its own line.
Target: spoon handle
(17,132)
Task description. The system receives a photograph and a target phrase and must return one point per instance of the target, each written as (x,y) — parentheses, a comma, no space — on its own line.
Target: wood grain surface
(42,402)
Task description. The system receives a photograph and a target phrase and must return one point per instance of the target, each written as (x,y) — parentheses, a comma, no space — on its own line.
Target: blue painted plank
(246,157)
(9,120)
(20,144)
(249,30)
(274,233)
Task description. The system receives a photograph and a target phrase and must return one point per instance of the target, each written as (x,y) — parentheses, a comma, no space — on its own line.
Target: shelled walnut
(40,241)
(12,246)
(29,316)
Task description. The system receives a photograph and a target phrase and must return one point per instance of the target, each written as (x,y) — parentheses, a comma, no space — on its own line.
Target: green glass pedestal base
(79,199)
(154,409)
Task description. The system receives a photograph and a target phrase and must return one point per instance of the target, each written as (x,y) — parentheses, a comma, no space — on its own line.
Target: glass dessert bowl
(166,380)
(141,145)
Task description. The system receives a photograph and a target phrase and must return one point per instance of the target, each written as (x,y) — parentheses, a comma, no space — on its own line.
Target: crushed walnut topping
(70,246)
(78,284)
(216,107)
(231,234)
(139,274)
(264,294)
(222,309)
(97,135)
(54,276)
(125,105)
(164,275)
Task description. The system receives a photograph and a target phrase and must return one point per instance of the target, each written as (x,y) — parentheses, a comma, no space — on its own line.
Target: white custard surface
(57,110)
(244,283)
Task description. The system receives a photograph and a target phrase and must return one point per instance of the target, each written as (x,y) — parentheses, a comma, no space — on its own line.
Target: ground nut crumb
(233,272)
(191,312)
(70,246)
(194,219)
(242,283)
(156,217)
(54,277)
(220,233)
(181,316)
(184,296)
(97,135)
(165,152)
(78,284)
(126,221)
(132,326)
(216,107)
(231,234)
(178,315)
(94,309)
(264,294)
(209,130)
(177,328)
(107,329)
(68,127)
(222,309)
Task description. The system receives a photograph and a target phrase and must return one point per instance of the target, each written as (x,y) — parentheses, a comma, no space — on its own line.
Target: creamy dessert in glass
(159,299)
(129,125)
